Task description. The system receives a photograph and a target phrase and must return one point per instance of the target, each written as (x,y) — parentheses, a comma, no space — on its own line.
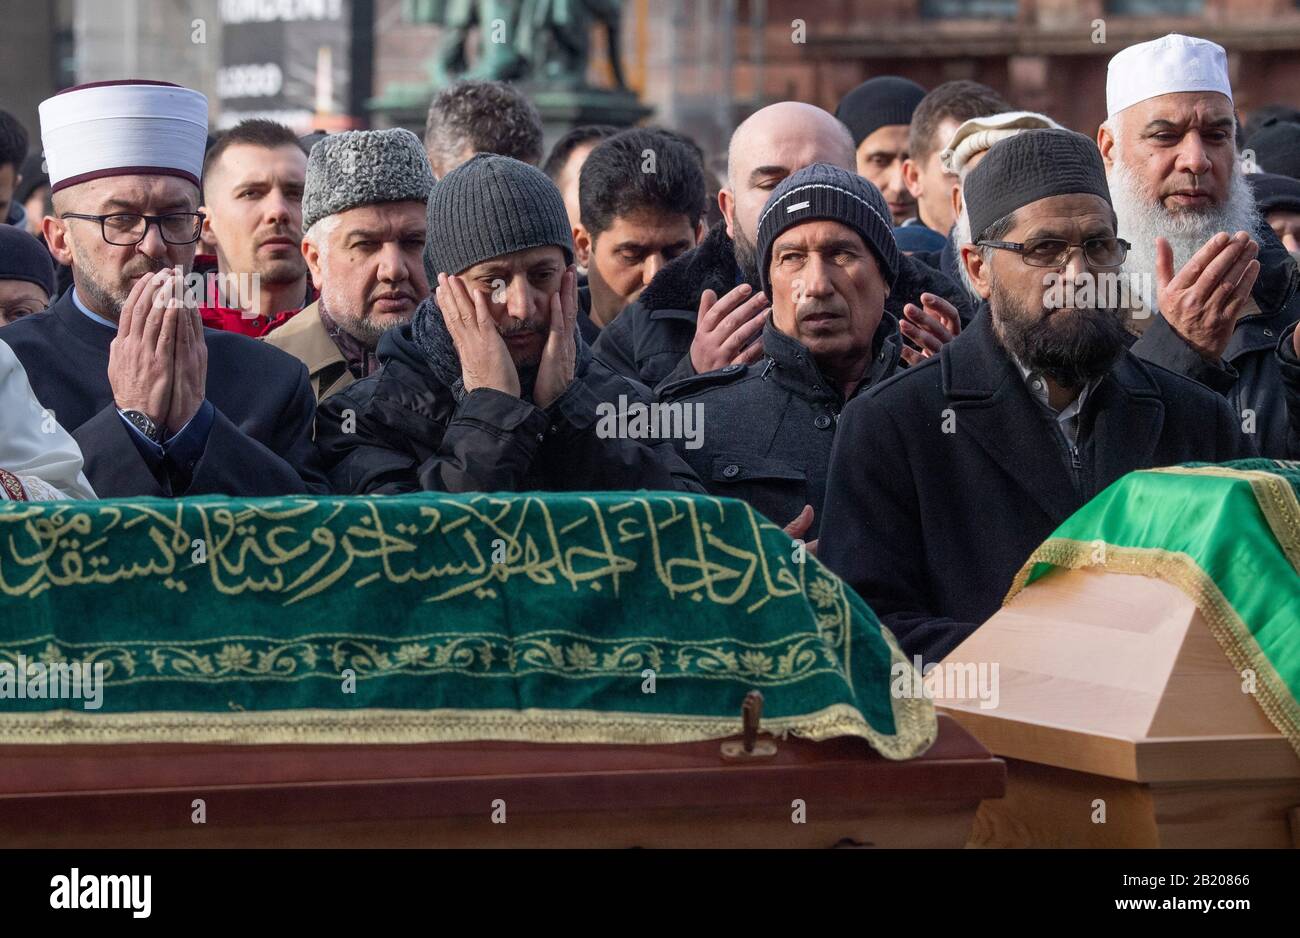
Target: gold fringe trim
(340,727)
(1180,570)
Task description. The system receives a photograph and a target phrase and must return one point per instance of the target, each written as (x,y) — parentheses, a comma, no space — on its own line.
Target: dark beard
(746,254)
(1071,347)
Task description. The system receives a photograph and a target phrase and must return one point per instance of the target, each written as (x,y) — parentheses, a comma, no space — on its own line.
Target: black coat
(948,262)
(768,427)
(411,434)
(1248,375)
(650,341)
(261,437)
(586,325)
(1289,366)
(930,527)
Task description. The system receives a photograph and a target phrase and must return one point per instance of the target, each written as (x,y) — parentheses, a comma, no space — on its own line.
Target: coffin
(445,795)
(1123,724)
(559,669)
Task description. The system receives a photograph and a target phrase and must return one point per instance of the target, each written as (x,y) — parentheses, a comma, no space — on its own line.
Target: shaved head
(785,125)
(769,145)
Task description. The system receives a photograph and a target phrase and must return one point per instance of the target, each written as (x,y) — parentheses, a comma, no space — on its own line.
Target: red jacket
(227,319)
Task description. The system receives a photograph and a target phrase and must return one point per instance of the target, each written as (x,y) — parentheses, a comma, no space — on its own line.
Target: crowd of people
(919,332)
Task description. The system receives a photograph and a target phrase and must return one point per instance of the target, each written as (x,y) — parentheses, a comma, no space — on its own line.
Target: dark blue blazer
(261,437)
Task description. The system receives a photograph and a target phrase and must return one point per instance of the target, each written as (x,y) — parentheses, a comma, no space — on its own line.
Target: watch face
(143,424)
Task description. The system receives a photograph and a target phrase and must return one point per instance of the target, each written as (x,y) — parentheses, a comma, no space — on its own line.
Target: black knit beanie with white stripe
(823,191)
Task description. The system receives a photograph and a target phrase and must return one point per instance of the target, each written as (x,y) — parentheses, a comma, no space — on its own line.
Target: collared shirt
(1067,418)
(359,357)
(183,448)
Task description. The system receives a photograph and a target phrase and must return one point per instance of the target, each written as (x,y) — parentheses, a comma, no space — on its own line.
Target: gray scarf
(430,334)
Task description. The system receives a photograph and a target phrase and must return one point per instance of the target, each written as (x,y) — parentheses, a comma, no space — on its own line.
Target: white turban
(980,133)
(120,128)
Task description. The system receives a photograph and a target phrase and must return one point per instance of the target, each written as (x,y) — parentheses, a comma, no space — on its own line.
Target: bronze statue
(555,37)
(497,22)
(544,42)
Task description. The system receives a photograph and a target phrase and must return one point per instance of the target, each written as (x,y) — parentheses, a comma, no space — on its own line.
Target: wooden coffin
(445,795)
(1122,722)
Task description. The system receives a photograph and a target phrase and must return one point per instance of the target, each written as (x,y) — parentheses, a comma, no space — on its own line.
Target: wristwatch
(144,423)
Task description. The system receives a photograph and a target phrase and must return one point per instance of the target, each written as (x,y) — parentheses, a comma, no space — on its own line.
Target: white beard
(961,238)
(1142,218)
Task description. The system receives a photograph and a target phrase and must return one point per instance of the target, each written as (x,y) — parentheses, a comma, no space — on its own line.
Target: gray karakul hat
(491,206)
(363,167)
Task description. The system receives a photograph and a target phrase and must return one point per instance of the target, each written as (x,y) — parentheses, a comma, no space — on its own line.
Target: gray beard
(1143,218)
(107,298)
(363,330)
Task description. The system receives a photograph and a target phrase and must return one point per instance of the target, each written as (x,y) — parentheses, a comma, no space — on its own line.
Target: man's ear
(311,254)
(583,244)
(977,270)
(956,200)
(1106,144)
(727,203)
(912,177)
(55,231)
(700,231)
(206,232)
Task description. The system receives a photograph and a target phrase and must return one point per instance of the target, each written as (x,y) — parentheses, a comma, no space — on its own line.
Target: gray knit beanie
(362,167)
(491,206)
(825,191)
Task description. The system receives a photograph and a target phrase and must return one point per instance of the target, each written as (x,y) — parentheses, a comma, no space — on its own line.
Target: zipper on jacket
(1076,462)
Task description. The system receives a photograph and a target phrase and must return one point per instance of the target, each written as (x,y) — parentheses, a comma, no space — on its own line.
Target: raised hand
(141,358)
(930,326)
(559,357)
(190,365)
(484,358)
(1202,302)
(725,329)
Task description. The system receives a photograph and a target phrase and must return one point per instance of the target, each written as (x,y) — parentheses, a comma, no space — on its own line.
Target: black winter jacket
(945,478)
(402,430)
(650,341)
(1248,375)
(768,427)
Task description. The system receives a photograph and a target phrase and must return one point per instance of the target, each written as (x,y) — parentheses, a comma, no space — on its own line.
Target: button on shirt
(1068,417)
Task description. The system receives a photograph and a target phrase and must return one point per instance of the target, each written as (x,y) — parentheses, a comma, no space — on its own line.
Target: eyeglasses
(1055,252)
(127,228)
